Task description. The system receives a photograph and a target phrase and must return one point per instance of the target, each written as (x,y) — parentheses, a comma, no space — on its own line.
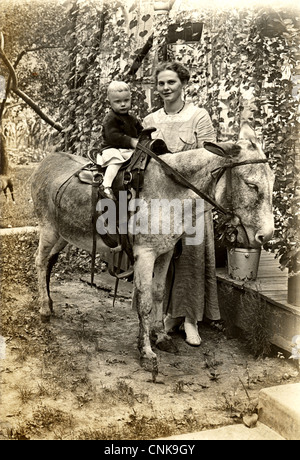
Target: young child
(120,134)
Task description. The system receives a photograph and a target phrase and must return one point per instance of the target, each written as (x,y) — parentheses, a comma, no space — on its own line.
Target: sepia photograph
(149,222)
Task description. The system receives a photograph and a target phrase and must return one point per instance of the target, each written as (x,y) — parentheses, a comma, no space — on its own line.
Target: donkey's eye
(252,186)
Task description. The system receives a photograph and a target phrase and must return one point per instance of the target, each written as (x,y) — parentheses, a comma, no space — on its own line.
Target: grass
(254,318)
(253,313)
(21,214)
(43,418)
(140,426)
(25,394)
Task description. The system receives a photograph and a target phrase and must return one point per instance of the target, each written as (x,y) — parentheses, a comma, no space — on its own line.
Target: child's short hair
(117,86)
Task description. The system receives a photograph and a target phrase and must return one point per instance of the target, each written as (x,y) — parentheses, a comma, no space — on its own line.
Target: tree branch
(37,109)
(141,56)
(32,50)
(10,67)
(13,85)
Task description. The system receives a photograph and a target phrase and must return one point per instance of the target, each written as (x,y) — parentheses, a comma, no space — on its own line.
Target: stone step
(279,409)
(238,432)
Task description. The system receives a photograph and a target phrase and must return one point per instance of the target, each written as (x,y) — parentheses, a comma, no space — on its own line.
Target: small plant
(226,230)
(179,387)
(25,394)
(123,393)
(48,417)
(43,418)
(239,407)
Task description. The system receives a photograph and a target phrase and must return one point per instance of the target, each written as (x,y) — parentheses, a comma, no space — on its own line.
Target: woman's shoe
(192,335)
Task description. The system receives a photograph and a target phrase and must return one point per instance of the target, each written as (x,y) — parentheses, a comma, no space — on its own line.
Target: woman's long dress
(191,281)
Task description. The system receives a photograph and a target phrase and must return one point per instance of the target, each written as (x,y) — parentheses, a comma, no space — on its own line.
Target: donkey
(63,207)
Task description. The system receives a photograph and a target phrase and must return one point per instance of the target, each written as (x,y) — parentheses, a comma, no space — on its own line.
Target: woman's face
(169,86)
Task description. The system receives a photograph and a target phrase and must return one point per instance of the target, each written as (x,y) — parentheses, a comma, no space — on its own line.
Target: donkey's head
(245,187)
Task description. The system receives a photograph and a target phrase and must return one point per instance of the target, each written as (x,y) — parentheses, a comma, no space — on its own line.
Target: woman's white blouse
(185,130)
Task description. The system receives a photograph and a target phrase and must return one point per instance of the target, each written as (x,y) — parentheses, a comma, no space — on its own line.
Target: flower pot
(294,286)
(243,263)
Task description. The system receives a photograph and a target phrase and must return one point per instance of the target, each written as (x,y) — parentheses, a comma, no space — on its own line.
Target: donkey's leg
(143,277)
(58,247)
(48,240)
(162,340)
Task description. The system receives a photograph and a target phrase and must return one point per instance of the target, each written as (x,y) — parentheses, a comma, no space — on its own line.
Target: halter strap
(222,169)
(228,169)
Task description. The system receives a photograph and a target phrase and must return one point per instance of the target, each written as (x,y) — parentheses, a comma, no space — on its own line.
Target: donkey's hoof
(45,317)
(149,364)
(166,343)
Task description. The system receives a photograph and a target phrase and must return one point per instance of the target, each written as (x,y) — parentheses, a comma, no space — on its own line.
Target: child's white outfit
(118,130)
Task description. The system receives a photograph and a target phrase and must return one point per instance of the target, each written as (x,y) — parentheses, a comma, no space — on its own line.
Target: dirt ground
(79,377)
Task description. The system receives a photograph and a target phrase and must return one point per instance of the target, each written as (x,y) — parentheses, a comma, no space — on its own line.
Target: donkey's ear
(223,149)
(214,148)
(248,133)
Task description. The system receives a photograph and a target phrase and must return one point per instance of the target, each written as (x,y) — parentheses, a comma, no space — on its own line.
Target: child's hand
(134,142)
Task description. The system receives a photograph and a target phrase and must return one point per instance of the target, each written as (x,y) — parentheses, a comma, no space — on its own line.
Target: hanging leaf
(146,17)
(133,23)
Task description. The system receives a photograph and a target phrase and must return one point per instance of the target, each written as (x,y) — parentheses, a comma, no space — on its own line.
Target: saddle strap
(95,194)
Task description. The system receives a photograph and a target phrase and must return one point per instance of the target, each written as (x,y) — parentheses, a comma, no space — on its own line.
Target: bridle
(216,174)
(227,168)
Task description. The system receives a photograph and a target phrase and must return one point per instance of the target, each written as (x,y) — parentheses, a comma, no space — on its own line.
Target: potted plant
(242,263)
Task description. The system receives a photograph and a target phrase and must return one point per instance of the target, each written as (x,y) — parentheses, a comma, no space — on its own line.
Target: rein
(183,181)
(228,213)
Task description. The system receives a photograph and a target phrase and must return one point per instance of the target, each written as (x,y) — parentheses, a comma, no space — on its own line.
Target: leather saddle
(131,173)
(130,176)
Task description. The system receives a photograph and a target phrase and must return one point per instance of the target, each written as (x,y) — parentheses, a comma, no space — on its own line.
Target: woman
(192,278)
